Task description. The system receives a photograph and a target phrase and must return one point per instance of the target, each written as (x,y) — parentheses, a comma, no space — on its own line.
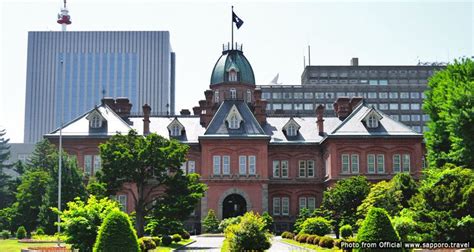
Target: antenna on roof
(309,55)
(63,17)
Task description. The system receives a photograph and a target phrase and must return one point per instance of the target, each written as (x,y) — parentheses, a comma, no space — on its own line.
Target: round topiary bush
(345,231)
(146,243)
(185,235)
(166,240)
(249,235)
(377,227)
(316,240)
(5,234)
(302,238)
(287,235)
(326,242)
(21,232)
(317,226)
(39,231)
(116,234)
(310,239)
(176,238)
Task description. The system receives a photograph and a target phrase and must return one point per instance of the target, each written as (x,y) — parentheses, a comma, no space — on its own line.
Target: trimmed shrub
(249,235)
(157,240)
(185,235)
(39,231)
(345,231)
(146,243)
(21,232)
(310,239)
(316,240)
(377,227)
(166,240)
(176,238)
(211,223)
(326,242)
(268,220)
(116,234)
(287,235)
(317,226)
(229,221)
(5,234)
(302,238)
(296,237)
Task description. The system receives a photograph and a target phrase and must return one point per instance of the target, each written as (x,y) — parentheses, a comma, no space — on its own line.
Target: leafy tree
(211,223)
(268,220)
(6,194)
(302,216)
(316,226)
(450,104)
(443,209)
(81,221)
(343,199)
(249,235)
(147,164)
(96,188)
(383,196)
(406,185)
(117,234)
(29,197)
(376,228)
(8,218)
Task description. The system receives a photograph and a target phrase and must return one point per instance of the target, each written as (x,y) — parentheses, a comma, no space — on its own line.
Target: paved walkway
(213,244)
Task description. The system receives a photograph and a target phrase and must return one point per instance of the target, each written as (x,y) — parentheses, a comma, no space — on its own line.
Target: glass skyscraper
(69,72)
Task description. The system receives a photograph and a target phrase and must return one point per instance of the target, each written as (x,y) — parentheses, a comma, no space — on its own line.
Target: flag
(238,22)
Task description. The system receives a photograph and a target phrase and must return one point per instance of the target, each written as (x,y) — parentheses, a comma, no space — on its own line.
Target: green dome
(232,59)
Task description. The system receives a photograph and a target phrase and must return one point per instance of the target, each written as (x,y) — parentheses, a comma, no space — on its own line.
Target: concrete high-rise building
(68,72)
(396,90)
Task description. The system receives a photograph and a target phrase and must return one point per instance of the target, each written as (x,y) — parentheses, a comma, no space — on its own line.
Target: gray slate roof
(352,126)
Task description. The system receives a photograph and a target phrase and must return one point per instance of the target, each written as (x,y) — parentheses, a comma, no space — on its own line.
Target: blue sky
(275,36)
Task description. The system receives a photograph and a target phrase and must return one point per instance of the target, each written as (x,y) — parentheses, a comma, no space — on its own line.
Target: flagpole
(232,27)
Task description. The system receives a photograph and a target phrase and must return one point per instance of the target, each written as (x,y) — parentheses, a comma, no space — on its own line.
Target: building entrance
(233,205)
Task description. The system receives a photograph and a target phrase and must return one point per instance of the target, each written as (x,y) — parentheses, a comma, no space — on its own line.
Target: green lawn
(172,246)
(15,246)
(309,246)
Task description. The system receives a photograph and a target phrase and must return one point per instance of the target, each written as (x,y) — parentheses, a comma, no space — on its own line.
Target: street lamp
(60,149)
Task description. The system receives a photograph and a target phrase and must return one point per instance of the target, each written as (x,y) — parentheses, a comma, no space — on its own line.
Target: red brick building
(251,161)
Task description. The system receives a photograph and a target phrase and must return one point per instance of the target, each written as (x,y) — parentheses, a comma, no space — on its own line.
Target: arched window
(95,122)
(233,93)
(234,122)
(372,122)
(175,130)
(249,96)
(216,96)
(291,131)
(232,75)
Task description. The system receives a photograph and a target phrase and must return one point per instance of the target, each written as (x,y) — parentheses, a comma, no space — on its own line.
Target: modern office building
(396,90)
(68,72)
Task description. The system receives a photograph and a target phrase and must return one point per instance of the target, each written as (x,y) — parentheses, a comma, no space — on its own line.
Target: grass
(15,246)
(172,246)
(309,246)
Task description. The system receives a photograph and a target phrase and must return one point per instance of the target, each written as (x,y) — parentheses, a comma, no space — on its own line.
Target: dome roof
(232,60)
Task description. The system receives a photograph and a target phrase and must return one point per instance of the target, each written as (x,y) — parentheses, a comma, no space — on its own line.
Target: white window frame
(276,206)
(371,163)
(310,164)
(233,93)
(285,206)
(355,163)
(380,163)
(242,165)
(249,96)
(301,168)
(216,96)
(291,130)
(284,168)
(191,166)
(311,203)
(175,130)
(345,161)
(183,167)
(397,163)
(372,122)
(232,75)
(406,162)
(276,169)
(252,165)
(216,161)
(234,122)
(96,122)
(88,159)
(122,200)
(226,165)
(96,164)
(302,203)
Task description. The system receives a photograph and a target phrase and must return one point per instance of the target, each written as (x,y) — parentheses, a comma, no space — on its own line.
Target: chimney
(123,107)
(146,119)
(257,94)
(342,107)
(109,101)
(355,101)
(197,110)
(185,112)
(355,62)
(320,120)
(208,94)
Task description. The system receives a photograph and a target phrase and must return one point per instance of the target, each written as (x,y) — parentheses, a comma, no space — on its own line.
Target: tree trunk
(140,210)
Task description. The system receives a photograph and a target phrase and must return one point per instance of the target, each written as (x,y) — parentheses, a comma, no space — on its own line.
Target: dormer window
(175,128)
(233,93)
(372,122)
(291,128)
(232,75)
(234,118)
(95,122)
